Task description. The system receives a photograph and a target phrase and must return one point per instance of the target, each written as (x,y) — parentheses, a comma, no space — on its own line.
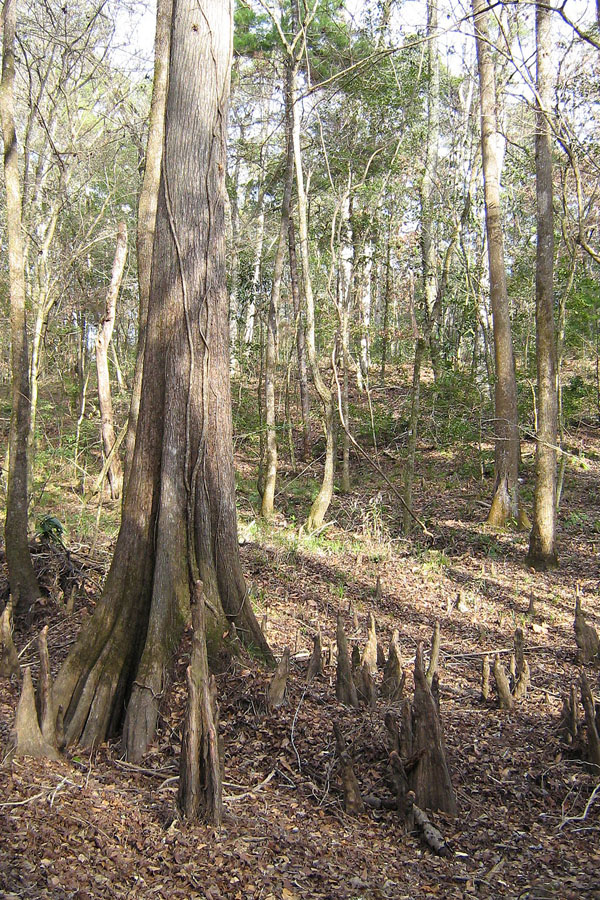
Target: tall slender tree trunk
(415,411)
(428,188)
(300,343)
(323,499)
(117,367)
(38,336)
(271,348)
(344,306)
(115,470)
(505,502)
(147,205)
(385,337)
(365,301)
(179,515)
(542,542)
(428,260)
(23,584)
(44,296)
(252,310)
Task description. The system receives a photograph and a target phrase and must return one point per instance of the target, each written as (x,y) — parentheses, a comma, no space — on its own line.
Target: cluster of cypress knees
(417,756)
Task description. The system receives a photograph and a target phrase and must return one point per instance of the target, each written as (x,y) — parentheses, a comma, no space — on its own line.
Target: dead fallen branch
(431,835)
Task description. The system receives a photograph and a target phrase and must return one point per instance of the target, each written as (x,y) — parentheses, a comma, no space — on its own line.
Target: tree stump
(9,659)
(592,717)
(515,688)
(406,730)
(400,781)
(279,681)
(26,737)
(586,637)
(393,730)
(522,673)
(365,686)
(505,698)
(369,654)
(485,678)
(434,655)
(315,663)
(430,779)
(345,690)
(44,702)
(393,676)
(200,778)
(378,591)
(570,716)
(353,802)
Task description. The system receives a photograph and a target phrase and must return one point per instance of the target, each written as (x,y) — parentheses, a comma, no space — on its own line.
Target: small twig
(477,653)
(107,464)
(153,773)
(166,782)
(35,637)
(317,531)
(583,815)
(64,780)
(23,802)
(299,475)
(249,793)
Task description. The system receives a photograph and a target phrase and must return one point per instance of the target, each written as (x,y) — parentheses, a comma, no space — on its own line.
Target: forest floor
(528,819)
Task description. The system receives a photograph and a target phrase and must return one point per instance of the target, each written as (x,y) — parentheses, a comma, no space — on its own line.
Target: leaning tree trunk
(115,470)
(542,542)
(505,502)
(179,515)
(147,204)
(23,585)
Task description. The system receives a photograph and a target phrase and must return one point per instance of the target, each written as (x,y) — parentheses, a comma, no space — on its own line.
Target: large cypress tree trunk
(23,585)
(179,515)
(505,502)
(542,542)
(147,204)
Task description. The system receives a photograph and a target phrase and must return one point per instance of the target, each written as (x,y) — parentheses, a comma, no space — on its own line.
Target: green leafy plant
(51,529)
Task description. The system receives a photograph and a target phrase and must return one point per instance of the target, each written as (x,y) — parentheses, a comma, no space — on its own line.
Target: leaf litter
(93,826)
